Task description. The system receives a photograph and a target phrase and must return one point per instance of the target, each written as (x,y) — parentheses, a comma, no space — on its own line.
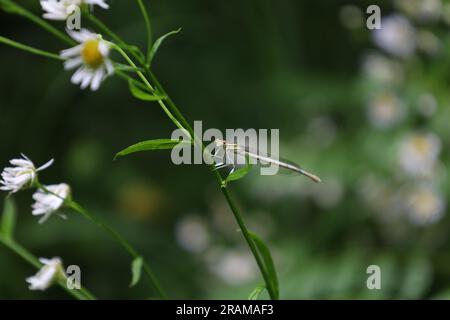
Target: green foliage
(142,94)
(239,173)
(254,295)
(136,270)
(157,44)
(268,262)
(158,144)
(8,219)
(254,72)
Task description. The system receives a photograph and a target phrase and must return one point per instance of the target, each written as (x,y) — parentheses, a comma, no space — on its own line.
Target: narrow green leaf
(135,50)
(268,262)
(142,94)
(239,173)
(29,49)
(8,219)
(158,144)
(127,68)
(156,45)
(254,295)
(136,269)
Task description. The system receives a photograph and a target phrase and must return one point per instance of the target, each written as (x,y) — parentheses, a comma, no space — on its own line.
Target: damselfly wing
(235,155)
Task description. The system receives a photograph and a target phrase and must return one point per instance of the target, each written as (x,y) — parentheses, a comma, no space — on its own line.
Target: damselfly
(264,159)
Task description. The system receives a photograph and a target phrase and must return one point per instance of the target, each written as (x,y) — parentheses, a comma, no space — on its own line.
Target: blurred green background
(366,110)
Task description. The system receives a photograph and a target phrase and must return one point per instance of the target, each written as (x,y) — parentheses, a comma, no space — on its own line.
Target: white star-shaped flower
(51,271)
(91,57)
(62,9)
(22,175)
(49,200)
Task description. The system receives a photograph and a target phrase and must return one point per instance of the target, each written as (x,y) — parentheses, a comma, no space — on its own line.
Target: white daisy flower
(383,70)
(62,9)
(428,42)
(397,36)
(91,57)
(192,234)
(423,10)
(385,111)
(51,272)
(234,266)
(23,175)
(425,205)
(50,200)
(419,153)
(427,104)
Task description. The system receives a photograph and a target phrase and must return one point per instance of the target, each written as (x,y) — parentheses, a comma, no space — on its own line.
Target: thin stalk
(175,116)
(29,49)
(240,221)
(148,27)
(111,232)
(12,7)
(103,28)
(147,83)
(128,78)
(121,240)
(80,294)
(117,40)
(217,175)
(235,210)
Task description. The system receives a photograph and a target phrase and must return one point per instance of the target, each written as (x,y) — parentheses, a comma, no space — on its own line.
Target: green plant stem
(245,232)
(148,27)
(112,233)
(114,37)
(236,212)
(175,116)
(12,7)
(80,294)
(29,49)
(147,83)
(99,24)
(121,240)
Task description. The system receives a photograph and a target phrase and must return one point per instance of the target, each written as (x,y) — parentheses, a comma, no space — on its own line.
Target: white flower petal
(73,63)
(109,67)
(100,3)
(74,51)
(46,165)
(49,200)
(78,75)
(97,79)
(49,273)
(21,176)
(82,35)
(87,79)
(103,47)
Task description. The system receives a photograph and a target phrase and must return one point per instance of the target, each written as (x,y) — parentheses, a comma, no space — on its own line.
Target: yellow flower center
(91,54)
(426,203)
(421,144)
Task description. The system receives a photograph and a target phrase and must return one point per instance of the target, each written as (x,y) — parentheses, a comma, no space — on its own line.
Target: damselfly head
(219,142)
